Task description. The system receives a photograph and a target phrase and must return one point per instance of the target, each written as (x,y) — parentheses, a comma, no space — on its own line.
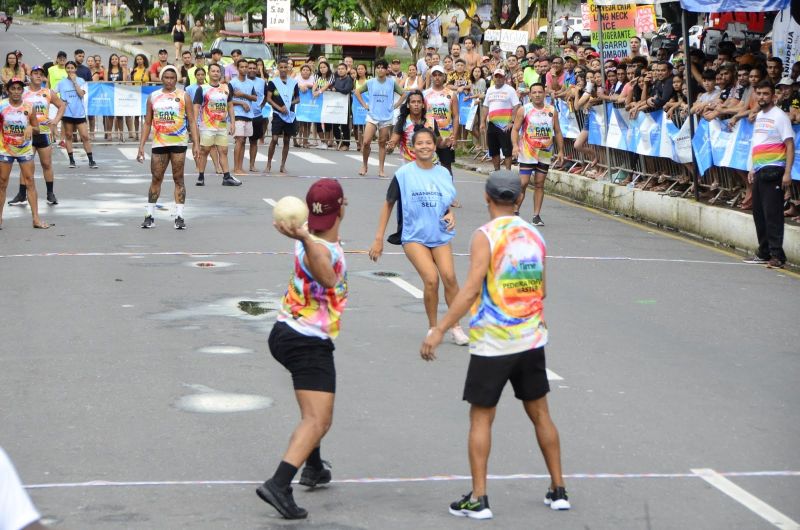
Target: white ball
(291,210)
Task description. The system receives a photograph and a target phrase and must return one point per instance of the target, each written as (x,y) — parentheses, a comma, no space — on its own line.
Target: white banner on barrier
(683,144)
(335,107)
(127,100)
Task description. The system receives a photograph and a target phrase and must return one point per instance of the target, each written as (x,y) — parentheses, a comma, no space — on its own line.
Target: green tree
(138,9)
(513,14)
(379,12)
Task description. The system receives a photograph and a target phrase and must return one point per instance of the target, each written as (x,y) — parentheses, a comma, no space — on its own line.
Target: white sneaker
(459,337)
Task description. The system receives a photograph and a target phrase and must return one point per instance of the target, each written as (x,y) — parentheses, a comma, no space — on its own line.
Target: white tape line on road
(260,157)
(131,152)
(407,287)
(311,157)
(552,376)
(746,499)
(271,202)
(372,161)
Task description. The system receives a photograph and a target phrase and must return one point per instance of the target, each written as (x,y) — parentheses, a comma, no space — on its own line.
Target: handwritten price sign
(278,13)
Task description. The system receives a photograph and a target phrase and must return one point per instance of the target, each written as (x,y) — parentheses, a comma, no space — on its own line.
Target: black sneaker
(51,198)
(281,500)
(231,181)
(775,263)
(92,164)
(149,222)
(315,477)
(72,164)
(465,507)
(201,181)
(557,499)
(19,200)
(756,259)
(180,224)
(537,221)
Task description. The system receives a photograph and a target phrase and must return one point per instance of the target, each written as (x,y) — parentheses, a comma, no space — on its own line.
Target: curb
(114,43)
(721,226)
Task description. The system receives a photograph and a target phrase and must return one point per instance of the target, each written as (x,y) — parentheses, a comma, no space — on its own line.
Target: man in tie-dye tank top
(770,174)
(170,114)
(505,288)
(302,341)
(501,102)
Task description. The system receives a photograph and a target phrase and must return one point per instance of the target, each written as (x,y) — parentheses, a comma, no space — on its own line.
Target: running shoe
(51,198)
(466,507)
(315,477)
(92,164)
(755,259)
(537,221)
(775,263)
(201,181)
(557,499)
(149,222)
(459,337)
(231,181)
(72,164)
(19,200)
(281,499)
(180,224)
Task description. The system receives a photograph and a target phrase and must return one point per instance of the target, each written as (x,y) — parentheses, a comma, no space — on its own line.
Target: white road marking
(131,152)
(746,499)
(311,157)
(260,157)
(407,287)
(372,161)
(271,202)
(552,376)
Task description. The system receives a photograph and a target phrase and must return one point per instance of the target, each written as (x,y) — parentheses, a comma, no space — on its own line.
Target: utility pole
(550,18)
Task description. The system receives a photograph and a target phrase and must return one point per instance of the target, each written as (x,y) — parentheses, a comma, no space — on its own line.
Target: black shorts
(258,130)
(498,140)
(281,128)
(40,141)
(73,121)
(308,359)
(168,150)
(446,156)
(533,168)
(487,376)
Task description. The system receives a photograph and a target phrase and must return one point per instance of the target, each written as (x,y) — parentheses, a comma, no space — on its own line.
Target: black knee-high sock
(89,156)
(49,186)
(284,474)
(314,459)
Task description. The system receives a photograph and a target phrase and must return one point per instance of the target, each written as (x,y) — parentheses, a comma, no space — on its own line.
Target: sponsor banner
(128,101)
(359,112)
(719,6)
(567,120)
(618,127)
(701,143)
(474,109)
(786,38)
(309,108)
(101,99)
(116,99)
(681,142)
(335,108)
(597,125)
(464,106)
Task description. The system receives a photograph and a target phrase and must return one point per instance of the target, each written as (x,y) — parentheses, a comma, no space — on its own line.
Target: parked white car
(575,32)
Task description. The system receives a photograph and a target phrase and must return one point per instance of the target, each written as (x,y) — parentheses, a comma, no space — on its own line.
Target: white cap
(786,81)
(437,68)
(499,71)
(166,68)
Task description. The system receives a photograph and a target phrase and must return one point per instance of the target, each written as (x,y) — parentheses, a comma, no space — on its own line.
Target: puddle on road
(208,264)
(224,350)
(211,401)
(256,309)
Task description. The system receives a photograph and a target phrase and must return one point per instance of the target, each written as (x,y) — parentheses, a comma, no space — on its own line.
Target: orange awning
(337,38)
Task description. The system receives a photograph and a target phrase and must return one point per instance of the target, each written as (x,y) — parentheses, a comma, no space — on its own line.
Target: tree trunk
(174,9)
(138,8)
(219,21)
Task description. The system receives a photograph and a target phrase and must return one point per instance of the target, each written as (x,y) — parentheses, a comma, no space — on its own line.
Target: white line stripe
(271,202)
(746,499)
(260,157)
(311,157)
(131,152)
(390,480)
(372,161)
(407,287)
(552,376)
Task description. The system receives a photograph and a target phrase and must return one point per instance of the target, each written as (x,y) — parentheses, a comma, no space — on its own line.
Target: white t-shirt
(16,508)
(500,102)
(770,131)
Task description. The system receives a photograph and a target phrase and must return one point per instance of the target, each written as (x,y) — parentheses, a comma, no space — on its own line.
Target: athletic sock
(202,175)
(49,186)
(71,158)
(179,210)
(284,474)
(151,209)
(23,190)
(314,459)
(89,156)
(227,175)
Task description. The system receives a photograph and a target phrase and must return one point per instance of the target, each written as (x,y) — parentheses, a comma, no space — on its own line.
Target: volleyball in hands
(290,210)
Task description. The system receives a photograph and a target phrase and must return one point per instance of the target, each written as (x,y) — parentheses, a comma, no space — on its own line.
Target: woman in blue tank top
(426,225)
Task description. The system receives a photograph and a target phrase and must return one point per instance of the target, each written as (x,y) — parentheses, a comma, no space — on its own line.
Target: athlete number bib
(169,118)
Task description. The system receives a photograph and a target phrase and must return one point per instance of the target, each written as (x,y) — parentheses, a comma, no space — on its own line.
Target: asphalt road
(667,357)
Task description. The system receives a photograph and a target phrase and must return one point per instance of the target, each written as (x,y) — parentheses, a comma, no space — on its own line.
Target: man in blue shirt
(259,122)
(244,98)
(381,105)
